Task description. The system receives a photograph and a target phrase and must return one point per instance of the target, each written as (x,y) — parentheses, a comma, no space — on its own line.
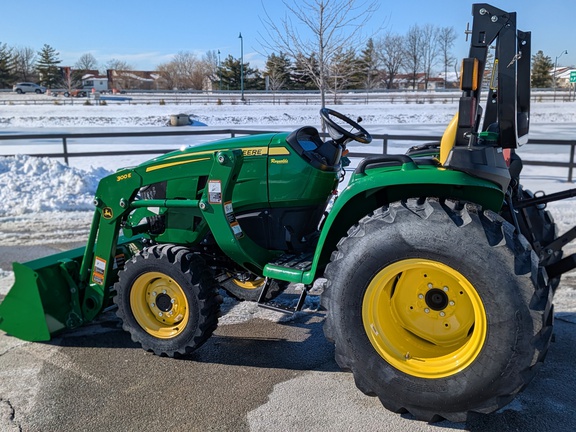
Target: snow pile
(32,185)
(6,281)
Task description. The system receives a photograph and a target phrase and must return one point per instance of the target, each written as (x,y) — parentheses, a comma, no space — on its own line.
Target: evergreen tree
(7,76)
(231,75)
(541,67)
(368,66)
(343,72)
(277,71)
(47,67)
(300,77)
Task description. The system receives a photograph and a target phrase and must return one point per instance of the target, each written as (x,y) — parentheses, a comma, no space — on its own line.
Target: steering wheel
(341,135)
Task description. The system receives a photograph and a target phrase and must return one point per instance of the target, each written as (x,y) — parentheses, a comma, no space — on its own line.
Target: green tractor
(439,267)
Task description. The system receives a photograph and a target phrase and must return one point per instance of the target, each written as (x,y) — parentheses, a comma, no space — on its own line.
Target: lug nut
(430,286)
(427,310)
(442,314)
(445,289)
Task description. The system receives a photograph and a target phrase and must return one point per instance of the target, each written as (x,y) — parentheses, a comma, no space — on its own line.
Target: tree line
(376,65)
(324,56)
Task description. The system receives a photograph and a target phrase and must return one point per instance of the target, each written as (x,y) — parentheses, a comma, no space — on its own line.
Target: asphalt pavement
(254,375)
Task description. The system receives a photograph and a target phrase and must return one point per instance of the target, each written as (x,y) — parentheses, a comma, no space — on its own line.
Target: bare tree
(86,62)
(211,61)
(117,64)
(318,30)
(121,79)
(186,71)
(413,53)
(24,63)
(192,71)
(446,38)
(169,73)
(430,51)
(391,52)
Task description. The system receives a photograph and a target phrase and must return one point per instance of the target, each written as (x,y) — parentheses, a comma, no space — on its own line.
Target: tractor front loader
(440,268)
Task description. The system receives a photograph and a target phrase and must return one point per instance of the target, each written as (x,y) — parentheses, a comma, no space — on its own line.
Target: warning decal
(236,229)
(215,192)
(99,270)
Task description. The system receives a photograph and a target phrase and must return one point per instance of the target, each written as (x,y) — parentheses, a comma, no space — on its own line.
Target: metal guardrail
(385,139)
(262,97)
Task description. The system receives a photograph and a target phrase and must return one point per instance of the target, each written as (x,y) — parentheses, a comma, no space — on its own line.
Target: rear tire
(437,309)
(168,300)
(537,225)
(250,287)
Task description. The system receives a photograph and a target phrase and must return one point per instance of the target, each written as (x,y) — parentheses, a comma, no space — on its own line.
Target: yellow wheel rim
(424,318)
(254,282)
(159,305)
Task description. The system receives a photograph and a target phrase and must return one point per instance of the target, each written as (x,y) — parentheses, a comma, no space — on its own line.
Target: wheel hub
(164,302)
(436,299)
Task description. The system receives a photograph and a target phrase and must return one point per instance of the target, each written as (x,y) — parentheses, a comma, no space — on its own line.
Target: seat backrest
(448,139)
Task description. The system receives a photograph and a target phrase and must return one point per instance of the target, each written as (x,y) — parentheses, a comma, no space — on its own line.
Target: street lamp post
(241,67)
(556,67)
(219,72)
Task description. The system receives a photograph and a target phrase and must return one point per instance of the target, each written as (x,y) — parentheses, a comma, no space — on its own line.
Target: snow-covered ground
(43,201)
(147,114)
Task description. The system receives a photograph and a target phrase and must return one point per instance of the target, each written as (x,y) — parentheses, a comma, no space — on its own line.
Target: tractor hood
(251,145)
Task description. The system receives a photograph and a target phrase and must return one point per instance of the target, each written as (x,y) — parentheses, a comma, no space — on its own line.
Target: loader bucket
(44,298)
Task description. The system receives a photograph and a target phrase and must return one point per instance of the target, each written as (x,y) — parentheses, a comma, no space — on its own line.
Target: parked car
(28,87)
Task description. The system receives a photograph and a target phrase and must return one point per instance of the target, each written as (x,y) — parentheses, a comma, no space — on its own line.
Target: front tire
(168,300)
(437,309)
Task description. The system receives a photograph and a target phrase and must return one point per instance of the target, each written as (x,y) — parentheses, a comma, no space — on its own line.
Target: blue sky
(147,33)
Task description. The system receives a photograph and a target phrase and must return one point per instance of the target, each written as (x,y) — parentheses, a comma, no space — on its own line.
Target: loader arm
(67,290)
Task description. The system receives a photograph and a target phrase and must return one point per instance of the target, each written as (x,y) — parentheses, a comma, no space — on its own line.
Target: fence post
(385,144)
(65,145)
(571,168)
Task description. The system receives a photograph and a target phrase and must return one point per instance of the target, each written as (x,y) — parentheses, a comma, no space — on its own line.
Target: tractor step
(301,261)
(289,267)
(280,307)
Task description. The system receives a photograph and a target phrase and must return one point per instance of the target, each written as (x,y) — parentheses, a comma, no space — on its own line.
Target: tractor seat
(307,143)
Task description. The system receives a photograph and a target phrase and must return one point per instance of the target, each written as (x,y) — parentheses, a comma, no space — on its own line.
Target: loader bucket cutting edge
(40,302)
